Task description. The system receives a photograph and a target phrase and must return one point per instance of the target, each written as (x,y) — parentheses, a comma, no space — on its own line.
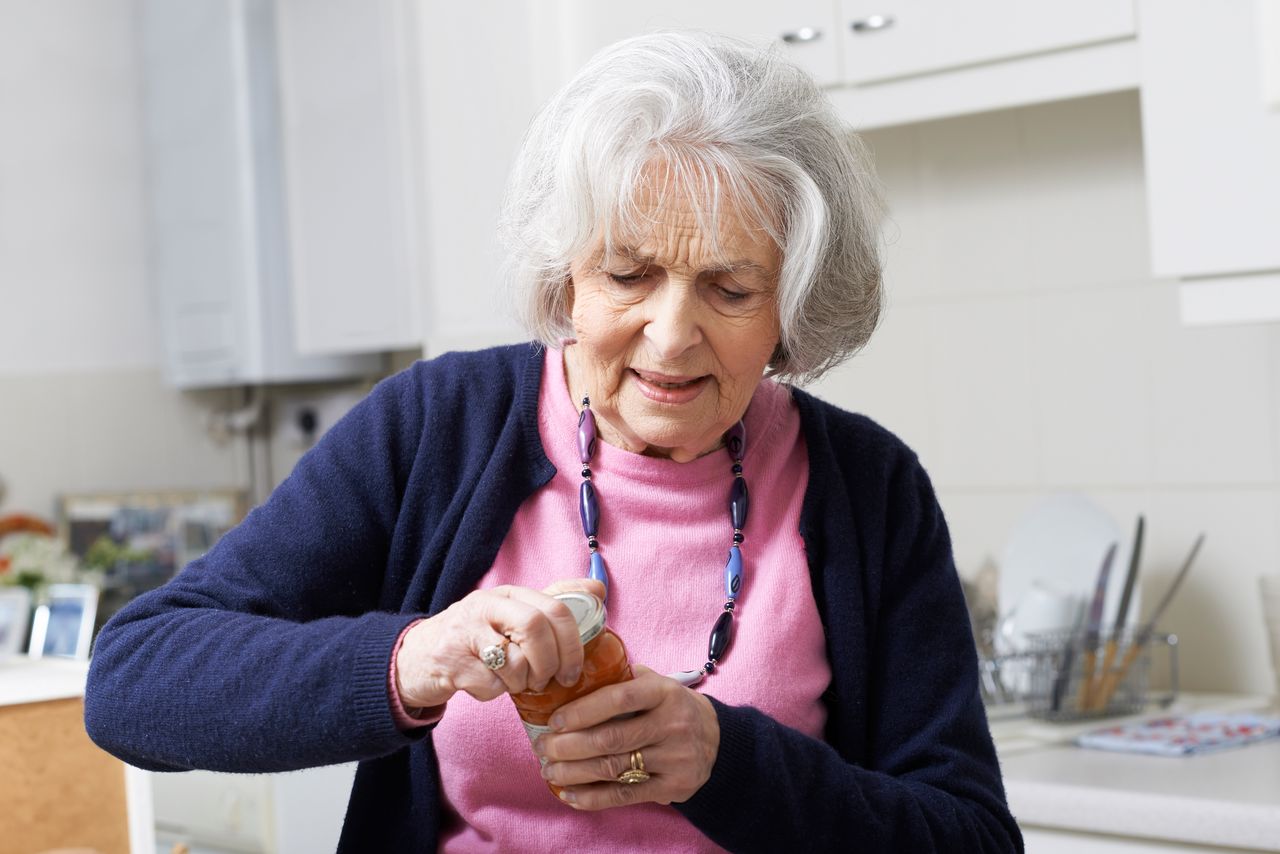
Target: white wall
(72,257)
(1026,349)
(82,407)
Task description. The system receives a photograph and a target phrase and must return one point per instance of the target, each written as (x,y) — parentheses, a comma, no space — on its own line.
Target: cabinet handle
(872,23)
(802,35)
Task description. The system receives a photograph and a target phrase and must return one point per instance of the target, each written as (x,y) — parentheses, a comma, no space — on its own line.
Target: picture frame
(63,626)
(15,616)
(139,540)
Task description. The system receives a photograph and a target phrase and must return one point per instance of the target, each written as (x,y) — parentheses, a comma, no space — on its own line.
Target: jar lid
(587,610)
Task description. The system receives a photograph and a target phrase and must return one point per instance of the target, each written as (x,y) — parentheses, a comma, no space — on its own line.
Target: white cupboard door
(1211,144)
(196,141)
(347,86)
(886,39)
(806,29)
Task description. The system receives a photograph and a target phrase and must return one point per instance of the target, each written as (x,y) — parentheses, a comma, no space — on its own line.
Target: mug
(1041,610)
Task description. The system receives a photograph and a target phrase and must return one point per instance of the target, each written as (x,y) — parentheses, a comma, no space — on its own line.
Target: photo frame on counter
(15,614)
(140,540)
(63,626)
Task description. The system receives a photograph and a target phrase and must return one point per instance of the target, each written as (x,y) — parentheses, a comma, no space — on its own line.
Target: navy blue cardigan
(271,653)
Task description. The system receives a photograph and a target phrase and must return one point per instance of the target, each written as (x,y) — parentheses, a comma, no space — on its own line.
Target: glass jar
(604,662)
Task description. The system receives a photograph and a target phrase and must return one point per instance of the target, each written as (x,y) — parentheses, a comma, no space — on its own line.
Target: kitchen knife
(1095,626)
(1122,612)
(1148,628)
(1063,677)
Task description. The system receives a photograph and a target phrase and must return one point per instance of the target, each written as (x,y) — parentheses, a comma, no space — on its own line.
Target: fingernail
(546,774)
(557,722)
(538,747)
(567,796)
(571,678)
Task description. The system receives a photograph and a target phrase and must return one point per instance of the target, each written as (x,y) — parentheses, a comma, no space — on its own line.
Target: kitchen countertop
(1228,798)
(34,680)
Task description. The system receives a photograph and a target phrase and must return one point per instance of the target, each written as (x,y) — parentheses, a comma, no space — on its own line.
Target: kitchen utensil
(1144,634)
(1041,610)
(1068,660)
(1095,625)
(1122,612)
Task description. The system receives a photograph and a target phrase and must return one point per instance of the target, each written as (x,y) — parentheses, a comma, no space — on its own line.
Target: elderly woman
(689,225)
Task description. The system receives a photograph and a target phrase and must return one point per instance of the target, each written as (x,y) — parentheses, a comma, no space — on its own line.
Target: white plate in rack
(1059,544)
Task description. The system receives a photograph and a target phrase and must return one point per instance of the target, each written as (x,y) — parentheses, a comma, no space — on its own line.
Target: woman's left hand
(674,728)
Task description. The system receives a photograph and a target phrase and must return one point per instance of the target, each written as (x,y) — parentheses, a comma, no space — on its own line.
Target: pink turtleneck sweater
(664,534)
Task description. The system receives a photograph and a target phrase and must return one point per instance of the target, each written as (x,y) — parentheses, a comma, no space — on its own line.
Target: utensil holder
(1066,683)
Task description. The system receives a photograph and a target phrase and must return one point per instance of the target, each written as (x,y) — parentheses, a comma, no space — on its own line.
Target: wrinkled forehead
(680,200)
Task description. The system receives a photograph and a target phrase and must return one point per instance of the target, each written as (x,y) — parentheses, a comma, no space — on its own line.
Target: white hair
(723,119)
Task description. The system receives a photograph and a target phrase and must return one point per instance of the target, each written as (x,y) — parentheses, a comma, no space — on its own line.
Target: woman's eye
(627,279)
(731,295)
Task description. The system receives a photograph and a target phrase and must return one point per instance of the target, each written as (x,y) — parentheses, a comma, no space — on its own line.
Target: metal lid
(587,610)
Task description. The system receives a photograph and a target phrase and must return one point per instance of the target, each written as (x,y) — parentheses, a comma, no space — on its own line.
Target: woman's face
(671,341)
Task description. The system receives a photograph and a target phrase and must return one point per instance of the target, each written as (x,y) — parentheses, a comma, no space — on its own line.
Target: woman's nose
(673,324)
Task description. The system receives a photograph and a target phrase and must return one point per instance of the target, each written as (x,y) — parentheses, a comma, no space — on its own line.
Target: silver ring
(494,655)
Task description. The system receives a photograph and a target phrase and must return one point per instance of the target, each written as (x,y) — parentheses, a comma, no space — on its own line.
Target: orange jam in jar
(604,663)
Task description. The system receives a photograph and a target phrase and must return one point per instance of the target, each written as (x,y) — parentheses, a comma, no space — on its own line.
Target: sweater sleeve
(269,653)
(930,779)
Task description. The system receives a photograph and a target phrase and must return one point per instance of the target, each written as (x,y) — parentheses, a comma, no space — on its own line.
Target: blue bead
(588,509)
(598,571)
(733,574)
(721,634)
(739,503)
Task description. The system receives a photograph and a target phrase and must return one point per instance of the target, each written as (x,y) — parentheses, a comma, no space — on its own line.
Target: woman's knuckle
(608,740)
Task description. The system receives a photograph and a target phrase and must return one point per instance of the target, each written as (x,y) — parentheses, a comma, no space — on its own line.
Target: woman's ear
(568,297)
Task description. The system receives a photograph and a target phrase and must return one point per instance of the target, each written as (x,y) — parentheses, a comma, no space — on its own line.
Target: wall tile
(973,211)
(1214,414)
(909,260)
(1092,385)
(986,433)
(891,380)
(1083,193)
(1216,613)
(110,431)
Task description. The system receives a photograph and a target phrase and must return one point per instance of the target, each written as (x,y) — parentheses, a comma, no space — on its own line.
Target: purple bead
(586,435)
(720,636)
(735,441)
(739,503)
(588,509)
(733,574)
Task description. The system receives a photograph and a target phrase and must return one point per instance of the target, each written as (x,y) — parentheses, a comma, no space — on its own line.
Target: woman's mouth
(665,388)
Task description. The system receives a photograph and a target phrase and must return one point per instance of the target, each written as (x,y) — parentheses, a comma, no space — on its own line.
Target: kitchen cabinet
(264,813)
(351,150)
(892,62)
(884,39)
(929,59)
(215,204)
(1211,141)
(59,789)
(807,30)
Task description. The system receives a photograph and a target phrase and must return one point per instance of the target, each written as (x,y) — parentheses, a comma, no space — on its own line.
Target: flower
(30,556)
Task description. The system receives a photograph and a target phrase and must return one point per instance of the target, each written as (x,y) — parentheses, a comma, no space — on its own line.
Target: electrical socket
(302,418)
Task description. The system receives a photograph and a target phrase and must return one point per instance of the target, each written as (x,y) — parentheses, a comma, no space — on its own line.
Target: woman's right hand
(441,655)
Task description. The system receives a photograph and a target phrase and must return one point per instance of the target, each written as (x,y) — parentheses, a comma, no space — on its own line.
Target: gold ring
(636,773)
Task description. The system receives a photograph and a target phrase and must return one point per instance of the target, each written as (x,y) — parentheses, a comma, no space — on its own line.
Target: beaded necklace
(589,510)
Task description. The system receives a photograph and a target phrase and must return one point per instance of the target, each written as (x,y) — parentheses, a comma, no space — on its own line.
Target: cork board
(58,789)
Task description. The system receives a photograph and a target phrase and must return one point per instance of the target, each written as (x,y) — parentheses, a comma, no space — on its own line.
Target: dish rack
(1060,677)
